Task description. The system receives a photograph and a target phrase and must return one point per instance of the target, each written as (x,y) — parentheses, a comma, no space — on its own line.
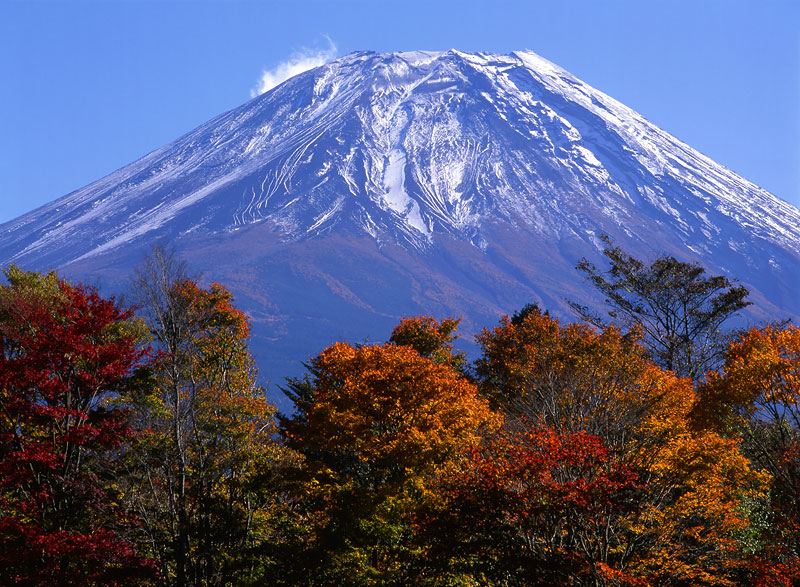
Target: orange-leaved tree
(572,378)
(756,398)
(375,424)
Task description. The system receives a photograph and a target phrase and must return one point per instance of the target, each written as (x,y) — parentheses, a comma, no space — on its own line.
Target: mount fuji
(445,183)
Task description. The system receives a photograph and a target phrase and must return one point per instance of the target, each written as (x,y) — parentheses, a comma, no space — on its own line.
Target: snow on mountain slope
(405,145)
(507,159)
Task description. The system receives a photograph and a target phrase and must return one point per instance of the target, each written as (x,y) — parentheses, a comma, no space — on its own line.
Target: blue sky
(89,86)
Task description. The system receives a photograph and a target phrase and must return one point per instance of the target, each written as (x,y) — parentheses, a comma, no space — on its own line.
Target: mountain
(447,183)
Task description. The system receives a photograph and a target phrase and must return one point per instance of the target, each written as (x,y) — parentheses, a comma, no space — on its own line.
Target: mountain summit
(441,182)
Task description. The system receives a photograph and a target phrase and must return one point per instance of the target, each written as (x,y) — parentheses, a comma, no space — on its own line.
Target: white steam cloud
(298,62)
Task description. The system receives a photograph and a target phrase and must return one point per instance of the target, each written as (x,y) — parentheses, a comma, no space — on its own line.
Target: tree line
(652,447)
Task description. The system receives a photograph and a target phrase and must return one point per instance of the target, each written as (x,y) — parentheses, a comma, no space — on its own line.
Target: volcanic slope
(382,185)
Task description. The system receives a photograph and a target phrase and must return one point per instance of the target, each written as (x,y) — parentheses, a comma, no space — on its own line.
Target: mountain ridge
(435,194)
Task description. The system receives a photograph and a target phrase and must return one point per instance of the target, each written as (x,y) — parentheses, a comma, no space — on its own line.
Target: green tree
(679,310)
(432,339)
(204,473)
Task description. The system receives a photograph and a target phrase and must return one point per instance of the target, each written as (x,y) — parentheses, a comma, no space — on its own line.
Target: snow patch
(395,196)
(588,156)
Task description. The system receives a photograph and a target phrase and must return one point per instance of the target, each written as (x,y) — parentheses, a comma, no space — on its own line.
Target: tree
(535,508)
(64,351)
(679,311)
(573,379)
(432,339)
(375,423)
(386,408)
(756,397)
(203,475)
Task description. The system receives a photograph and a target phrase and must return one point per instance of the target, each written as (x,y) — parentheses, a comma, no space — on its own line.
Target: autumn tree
(432,339)
(756,397)
(679,310)
(375,424)
(204,471)
(533,508)
(572,379)
(64,352)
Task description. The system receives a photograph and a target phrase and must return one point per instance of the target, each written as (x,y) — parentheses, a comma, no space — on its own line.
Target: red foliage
(33,556)
(535,505)
(769,573)
(63,351)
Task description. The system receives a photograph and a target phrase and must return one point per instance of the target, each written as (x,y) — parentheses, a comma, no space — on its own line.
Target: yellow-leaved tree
(203,472)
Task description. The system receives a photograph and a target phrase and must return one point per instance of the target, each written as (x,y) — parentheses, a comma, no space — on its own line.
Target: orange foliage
(387,404)
(573,378)
(375,424)
(761,373)
(757,398)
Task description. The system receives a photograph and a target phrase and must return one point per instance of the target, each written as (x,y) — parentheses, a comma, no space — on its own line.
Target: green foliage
(679,311)
(204,473)
(432,339)
(520,315)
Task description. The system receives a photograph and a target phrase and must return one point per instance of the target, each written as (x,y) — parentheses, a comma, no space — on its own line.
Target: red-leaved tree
(64,351)
(536,508)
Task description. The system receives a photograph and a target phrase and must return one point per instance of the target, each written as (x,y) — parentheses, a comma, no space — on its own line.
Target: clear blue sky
(89,86)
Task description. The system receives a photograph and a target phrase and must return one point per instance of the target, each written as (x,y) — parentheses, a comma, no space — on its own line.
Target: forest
(655,444)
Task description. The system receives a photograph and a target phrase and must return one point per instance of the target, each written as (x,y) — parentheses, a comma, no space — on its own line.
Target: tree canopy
(143,450)
(64,351)
(679,310)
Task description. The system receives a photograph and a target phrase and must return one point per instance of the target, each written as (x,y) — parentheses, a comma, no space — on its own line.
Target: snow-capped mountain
(386,184)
